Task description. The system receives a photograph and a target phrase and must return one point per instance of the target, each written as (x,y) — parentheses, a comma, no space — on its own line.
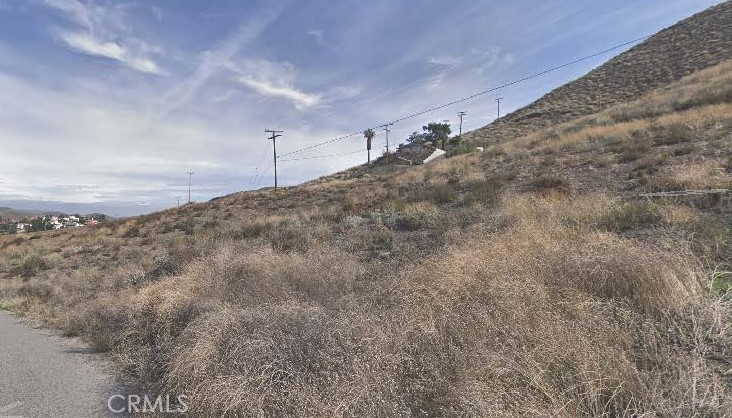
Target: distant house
(22,227)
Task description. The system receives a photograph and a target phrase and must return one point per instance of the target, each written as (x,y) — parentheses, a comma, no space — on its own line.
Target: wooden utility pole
(388,155)
(190,181)
(275,135)
(498,100)
(460,115)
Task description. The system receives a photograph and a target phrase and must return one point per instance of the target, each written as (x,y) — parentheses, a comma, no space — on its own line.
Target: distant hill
(695,43)
(12,214)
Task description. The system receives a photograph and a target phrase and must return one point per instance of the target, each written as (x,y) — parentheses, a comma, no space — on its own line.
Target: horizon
(110,105)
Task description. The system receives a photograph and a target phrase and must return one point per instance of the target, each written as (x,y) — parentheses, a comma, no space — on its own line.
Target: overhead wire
(472,96)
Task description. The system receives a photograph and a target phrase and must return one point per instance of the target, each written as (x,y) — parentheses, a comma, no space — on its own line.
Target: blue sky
(105,105)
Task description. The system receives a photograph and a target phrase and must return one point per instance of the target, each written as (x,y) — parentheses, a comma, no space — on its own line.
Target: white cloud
(99,32)
(112,50)
(298,98)
(274,79)
(445,60)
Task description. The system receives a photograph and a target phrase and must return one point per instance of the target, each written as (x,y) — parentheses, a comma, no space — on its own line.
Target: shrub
(487,192)
(251,229)
(633,150)
(418,215)
(442,193)
(382,243)
(290,237)
(632,215)
(550,184)
(38,290)
(722,282)
(164,265)
(685,149)
(674,134)
(32,265)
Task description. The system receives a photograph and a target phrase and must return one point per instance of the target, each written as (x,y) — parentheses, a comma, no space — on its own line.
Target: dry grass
(540,308)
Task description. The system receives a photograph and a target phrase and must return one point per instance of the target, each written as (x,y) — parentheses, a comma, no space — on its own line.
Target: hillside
(536,278)
(12,214)
(698,42)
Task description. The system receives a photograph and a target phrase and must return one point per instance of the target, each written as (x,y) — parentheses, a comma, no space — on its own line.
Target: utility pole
(388,156)
(498,100)
(190,181)
(460,115)
(275,135)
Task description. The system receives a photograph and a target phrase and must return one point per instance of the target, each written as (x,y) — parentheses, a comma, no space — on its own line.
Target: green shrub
(382,243)
(722,282)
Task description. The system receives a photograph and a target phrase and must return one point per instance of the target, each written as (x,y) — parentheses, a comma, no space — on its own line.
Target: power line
(326,156)
(262,159)
(472,96)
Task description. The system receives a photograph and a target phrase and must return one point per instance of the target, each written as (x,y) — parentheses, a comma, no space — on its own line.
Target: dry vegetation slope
(698,42)
(524,281)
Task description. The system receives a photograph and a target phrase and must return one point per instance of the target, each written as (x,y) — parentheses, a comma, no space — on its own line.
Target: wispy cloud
(445,60)
(97,32)
(319,37)
(214,60)
(273,79)
(92,46)
(299,99)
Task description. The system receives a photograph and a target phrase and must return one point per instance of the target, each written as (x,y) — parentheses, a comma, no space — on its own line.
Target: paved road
(42,375)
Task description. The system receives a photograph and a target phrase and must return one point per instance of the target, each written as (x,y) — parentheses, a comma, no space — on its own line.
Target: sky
(105,106)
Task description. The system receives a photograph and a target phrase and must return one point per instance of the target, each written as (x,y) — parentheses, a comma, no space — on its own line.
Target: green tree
(369,134)
(437,133)
(417,138)
(38,224)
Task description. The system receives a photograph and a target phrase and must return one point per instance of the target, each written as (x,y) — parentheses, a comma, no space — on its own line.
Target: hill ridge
(665,57)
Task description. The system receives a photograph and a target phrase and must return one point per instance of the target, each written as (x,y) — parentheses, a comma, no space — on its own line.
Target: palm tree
(369,134)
